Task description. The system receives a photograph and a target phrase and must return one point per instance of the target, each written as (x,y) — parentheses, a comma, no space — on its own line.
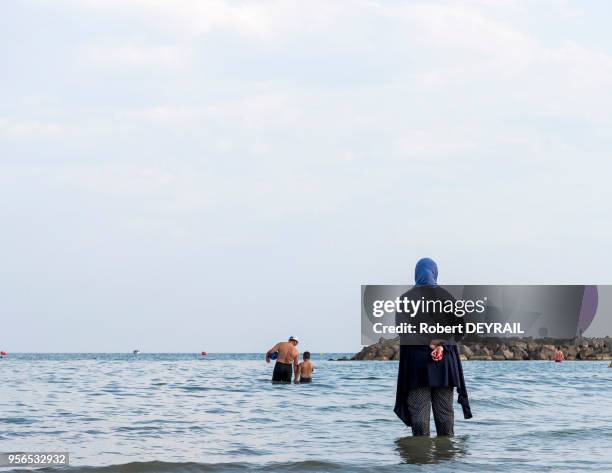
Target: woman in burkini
(428,372)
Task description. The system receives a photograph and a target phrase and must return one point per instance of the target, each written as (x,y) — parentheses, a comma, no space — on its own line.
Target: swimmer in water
(287,358)
(559,355)
(305,369)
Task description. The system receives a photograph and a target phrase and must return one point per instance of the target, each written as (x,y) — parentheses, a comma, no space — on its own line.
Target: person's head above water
(293,340)
(306,355)
(426,272)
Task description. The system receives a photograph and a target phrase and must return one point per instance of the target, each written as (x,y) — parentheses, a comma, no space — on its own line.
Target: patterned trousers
(421,400)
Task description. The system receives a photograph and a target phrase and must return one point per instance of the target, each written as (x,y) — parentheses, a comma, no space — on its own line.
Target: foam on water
(182,413)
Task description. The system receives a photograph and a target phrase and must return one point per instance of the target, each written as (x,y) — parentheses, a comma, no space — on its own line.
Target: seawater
(186,413)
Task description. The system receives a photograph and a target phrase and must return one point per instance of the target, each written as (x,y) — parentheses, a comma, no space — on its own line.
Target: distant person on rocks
(429,372)
(559,355)
(287,356)
(305,369)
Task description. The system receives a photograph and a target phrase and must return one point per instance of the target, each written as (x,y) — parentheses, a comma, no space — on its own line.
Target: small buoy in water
(3,353)
(204,353)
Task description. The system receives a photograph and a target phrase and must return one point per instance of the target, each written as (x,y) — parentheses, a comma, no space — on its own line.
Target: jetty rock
(502,349)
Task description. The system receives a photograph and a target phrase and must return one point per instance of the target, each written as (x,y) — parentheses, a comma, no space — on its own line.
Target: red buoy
(3,353)
(204,353)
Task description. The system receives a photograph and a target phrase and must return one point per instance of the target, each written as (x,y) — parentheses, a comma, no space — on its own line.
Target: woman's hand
(437,353)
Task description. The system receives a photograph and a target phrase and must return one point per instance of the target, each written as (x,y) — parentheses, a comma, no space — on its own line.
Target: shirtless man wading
(287,356)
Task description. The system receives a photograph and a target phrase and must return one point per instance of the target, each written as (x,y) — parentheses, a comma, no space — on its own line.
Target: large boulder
(547,352)
(369,355)
(520,353)
(465,351)
(585,352)
(569,350)
(503,353)
(388,352)
(542,354)
(396,351)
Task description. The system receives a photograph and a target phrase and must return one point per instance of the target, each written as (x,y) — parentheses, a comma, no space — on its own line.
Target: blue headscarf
(426,272)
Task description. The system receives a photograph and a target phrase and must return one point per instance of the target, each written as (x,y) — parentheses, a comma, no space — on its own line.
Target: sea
(188,413)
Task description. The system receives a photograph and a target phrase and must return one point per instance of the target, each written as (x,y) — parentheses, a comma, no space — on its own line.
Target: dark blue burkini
(416,367)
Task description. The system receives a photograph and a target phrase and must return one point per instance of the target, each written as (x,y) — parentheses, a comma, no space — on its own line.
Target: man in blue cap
(287,357)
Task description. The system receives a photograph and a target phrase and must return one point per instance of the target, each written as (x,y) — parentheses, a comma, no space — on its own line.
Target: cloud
(195,17)
(28,129)
(134,55)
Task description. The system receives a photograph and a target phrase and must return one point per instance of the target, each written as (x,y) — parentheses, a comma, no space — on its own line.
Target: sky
(187,175)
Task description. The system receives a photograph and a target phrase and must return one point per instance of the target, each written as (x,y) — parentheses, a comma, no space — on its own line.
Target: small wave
(160,421)
(142,428)
(260,420)
(506,403)
(571,433)
(330,408)
(196,388)
(361,378)
(171,467)
(16,420)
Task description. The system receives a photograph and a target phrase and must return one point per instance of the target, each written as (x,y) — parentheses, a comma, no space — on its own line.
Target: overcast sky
(186,175)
